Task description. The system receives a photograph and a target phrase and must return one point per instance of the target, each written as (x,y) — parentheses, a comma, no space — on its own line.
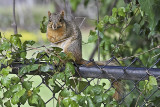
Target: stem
(97,5)
(14,19)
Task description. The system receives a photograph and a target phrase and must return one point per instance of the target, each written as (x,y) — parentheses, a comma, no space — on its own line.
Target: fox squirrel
(66,35)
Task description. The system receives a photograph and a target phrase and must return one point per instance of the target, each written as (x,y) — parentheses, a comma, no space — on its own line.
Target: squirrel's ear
(62,14)
(49,13)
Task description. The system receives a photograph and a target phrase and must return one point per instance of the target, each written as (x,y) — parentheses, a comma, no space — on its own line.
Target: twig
(111,7)
(140,53)
(14,19)
(96,46)
(97,5)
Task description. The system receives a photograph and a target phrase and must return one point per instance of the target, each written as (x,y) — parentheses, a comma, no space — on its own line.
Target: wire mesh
(125,76)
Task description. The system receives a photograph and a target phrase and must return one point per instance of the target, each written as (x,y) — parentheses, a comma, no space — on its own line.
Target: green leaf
(136,28)
(23,54)
(62,55)
(43,25)
(4,45)
(92,37)
(36,90)
(69,69)
(15,40)
(15,80)
(51,82)
(56,88)
(5,71)
(33,100)
(69,103)
(114,12)
(106,19)
(8,54)
(1,103)
(152,80)
(60,76)
(55,59)
(94,90)
(15,88)
(45,68)
(81,102)
(66,93)
(97,99)
(28,69)
(23,99)
(151,83)
(100,25)
(82,85)
(17,95)
(76,97)
(27,85)
(8,104)
(112,20)
(152,11)
(42,55)
(29,42)
(105,97)
(8,94)
(6,81)
(97,89)
(121,11)
(88,90)
(57,49)
(90,102)
(41,103)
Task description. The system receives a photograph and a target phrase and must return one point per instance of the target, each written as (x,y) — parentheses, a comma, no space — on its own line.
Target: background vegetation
(127,29)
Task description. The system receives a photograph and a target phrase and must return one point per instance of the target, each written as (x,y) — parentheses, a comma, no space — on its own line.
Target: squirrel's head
(56,20)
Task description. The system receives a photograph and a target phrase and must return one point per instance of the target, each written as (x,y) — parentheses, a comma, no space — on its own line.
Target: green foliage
(43,26)
(119,32)
(152,13)
(20,91)
(5,45)
(28,68)
(75,3)
(128,31)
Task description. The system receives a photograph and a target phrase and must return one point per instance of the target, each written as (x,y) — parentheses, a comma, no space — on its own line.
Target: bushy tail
(93,63)
(119,90)
(117,85)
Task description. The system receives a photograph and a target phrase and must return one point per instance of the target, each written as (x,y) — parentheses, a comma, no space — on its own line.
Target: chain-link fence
(127,77)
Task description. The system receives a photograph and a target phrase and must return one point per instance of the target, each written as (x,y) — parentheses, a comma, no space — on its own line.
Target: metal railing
(129,74)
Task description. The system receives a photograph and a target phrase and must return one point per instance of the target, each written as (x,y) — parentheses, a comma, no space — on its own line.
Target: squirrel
(67,35)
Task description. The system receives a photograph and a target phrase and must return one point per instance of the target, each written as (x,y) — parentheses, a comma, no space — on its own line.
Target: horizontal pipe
(109,72)
(118,72)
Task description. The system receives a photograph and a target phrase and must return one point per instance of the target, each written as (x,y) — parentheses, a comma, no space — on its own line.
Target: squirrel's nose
(54,26)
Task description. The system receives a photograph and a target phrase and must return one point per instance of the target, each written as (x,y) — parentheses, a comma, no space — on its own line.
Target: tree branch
(14,19)
(96,45)
(97,5)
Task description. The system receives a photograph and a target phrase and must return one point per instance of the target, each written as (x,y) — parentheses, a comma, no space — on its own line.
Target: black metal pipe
(109,72)
(118,72)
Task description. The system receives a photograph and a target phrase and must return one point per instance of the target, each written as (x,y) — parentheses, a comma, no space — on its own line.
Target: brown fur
(66,35)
